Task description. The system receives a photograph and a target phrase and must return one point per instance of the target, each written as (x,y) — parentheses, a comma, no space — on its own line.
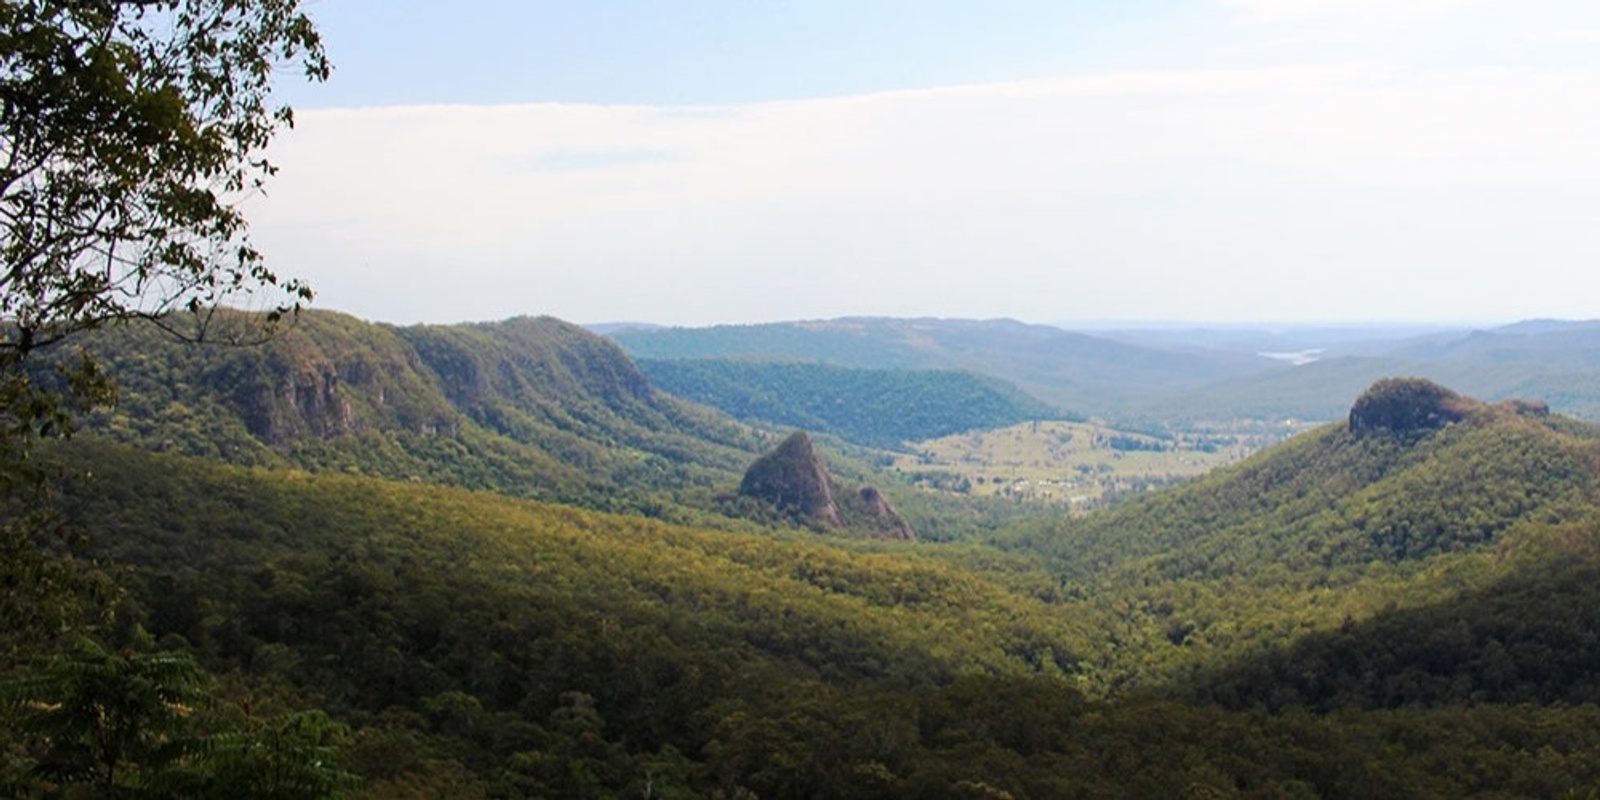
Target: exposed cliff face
(299,402)
(792,478)
(527,361)
(327,376)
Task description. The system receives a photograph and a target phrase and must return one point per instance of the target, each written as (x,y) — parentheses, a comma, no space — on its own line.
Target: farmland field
(1081,464)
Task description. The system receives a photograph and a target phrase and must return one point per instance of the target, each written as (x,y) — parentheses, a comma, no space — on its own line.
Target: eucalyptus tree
(130,132)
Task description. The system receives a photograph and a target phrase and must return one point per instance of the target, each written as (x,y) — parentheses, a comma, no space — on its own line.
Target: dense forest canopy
(876,407)
(469,643)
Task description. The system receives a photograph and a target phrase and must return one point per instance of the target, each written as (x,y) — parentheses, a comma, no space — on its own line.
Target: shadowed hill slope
(1337,496)
(391,592)
(1529,637)
(1334,526)
(529,406)
(877,407)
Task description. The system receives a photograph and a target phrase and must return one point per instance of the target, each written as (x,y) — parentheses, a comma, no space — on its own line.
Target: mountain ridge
(1070,369)
(882,408)
(1336,525)
(531,406)
(1181,376)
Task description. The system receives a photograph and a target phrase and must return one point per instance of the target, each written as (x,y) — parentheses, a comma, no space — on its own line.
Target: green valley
(251,550)
(464,635)
(1079,465)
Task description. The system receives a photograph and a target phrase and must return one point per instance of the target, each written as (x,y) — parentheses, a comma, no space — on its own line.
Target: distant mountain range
(1557,362)
(1072,370)
(1178,375)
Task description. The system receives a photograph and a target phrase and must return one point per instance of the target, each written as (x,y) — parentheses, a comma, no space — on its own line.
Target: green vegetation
(1529,637)
(365,561)
(127,146)
(1070,370)
(130,132)
(1080,465)
(136,722)
(498,624)
(481,646)
(1398,605)
(529,407)
(1329,529)
(1334,497)
(876,407)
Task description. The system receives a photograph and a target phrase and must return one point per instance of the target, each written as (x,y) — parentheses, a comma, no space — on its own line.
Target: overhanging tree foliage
(103,714)
(129,129)
(129,132)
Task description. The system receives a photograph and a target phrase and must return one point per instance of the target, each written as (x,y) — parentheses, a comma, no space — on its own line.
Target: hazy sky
(697,162)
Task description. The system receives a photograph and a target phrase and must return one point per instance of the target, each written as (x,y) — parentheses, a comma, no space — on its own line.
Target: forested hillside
(373,579)
(1082,373)
(1327,530)
(474,645)
(492,644)
(531,406)
(877,407)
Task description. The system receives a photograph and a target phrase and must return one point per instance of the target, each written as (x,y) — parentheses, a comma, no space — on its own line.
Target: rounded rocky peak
(1407,406)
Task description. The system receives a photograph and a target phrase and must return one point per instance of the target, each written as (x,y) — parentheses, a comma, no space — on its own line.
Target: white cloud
(1298,10)
(1571,36)
(1250,193)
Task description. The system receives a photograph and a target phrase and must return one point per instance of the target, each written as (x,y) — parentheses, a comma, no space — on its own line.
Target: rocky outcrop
(885,522)
(302,402)
(793,479)
(1407,408)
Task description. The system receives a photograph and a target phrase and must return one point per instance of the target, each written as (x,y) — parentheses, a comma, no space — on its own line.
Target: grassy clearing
(1080,464)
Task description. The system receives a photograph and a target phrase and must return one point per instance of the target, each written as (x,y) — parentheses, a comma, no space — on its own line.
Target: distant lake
(1297,357)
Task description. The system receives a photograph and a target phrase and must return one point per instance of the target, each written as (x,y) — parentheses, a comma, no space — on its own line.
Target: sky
(696,162)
